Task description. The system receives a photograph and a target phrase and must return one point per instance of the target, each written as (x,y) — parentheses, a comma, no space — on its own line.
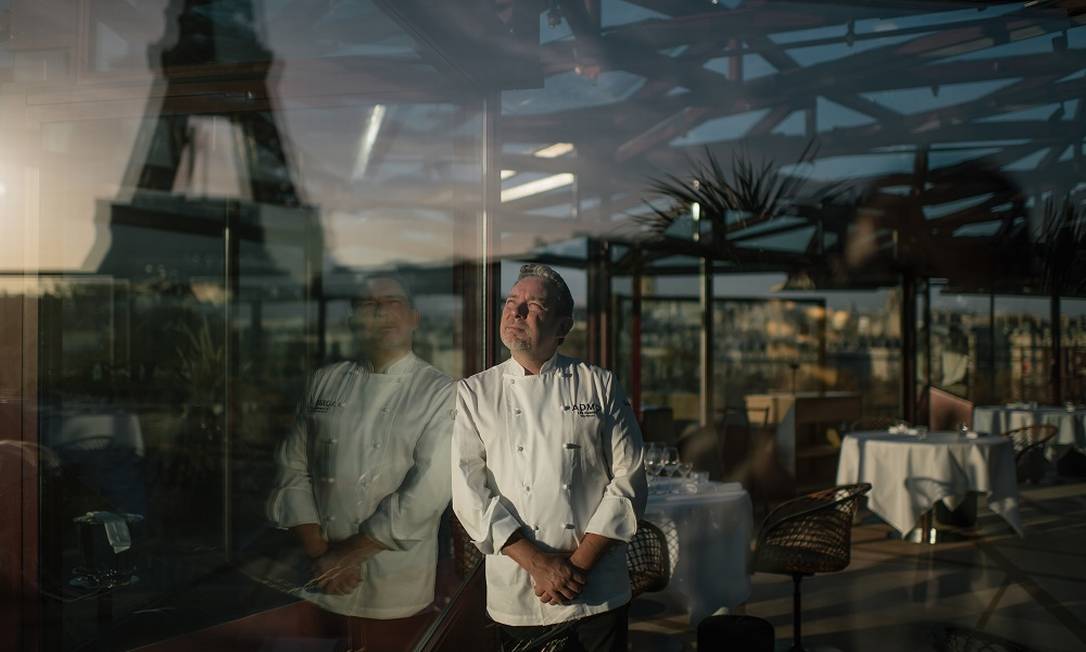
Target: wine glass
(685,469)
(670,459)
(652,459)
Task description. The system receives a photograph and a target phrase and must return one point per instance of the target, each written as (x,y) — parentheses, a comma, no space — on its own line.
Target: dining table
(1070,423)
(912,470)
(708,527)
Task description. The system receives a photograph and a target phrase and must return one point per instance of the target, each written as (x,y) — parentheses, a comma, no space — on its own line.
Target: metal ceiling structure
(949,123)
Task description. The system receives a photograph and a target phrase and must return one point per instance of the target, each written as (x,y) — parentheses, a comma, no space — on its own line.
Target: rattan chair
(1029,448)
(807,535)
(647,559)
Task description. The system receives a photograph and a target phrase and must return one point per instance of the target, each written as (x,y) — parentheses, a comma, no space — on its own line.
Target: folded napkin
(120,539)
(902,430)
(972,434)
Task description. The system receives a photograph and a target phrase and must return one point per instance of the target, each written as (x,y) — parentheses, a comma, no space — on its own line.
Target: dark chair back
(946,410)
(809,534)
(648,559)
(1029,450)
(1030,437)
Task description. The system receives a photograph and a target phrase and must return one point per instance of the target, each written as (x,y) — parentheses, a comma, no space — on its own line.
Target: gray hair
(556,285)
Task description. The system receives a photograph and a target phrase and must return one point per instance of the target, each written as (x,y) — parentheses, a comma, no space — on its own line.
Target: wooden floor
(901,596)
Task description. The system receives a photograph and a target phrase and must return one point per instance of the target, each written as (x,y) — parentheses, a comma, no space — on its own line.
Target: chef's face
(530,320)
(384,316)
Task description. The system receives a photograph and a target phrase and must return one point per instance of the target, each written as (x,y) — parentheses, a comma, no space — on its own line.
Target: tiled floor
(899,596)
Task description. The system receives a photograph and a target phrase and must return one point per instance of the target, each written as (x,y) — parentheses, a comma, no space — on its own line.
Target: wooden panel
(831,408)
(19,460)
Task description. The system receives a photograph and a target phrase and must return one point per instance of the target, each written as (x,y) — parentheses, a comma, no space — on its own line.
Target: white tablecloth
(709,544)
(998,419)
(909,474)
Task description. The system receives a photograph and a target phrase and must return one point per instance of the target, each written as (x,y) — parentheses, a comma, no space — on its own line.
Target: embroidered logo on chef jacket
(325,405)
(585,409)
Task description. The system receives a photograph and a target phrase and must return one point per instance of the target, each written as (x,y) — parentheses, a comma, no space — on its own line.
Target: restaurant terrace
(834,253)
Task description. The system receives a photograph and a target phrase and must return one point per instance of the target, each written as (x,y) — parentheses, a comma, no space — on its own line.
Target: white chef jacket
(555,456)
(370,453)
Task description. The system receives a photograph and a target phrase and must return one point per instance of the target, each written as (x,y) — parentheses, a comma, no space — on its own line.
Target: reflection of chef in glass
(363,477)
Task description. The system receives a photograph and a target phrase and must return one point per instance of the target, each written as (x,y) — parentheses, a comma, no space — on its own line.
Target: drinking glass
(670,459)
(685,469)
(652,459)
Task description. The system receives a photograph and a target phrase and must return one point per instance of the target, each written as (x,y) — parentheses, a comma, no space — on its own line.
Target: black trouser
(606,632)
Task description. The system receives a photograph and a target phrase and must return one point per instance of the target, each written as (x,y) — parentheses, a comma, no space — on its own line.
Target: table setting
(708,526)
(911,469)
(1069,420)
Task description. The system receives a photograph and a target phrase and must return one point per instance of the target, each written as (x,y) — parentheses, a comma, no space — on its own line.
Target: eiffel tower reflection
(211,64)
(188,257)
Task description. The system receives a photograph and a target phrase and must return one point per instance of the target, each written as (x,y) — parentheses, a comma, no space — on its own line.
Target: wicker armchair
(1029,446)
(647,559)
(807,535)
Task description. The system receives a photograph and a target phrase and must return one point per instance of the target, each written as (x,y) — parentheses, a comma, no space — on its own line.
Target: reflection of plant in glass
(752,192)
(1063,248)
(202,366)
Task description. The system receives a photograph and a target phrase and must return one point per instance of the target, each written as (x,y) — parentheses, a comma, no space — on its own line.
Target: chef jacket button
(512,381)
(520,449)
(568,526)
(330,518)
(517,411)
(527,489)
(566,486)
(377,444)
(333,440)
(536,528)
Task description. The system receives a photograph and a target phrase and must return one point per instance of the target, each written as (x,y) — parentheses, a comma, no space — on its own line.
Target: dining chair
(648,560)
(1029,449)
(808,535)
(946,409)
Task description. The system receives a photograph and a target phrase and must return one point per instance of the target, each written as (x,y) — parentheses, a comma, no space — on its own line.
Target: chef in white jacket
(363,478)
(547,476)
